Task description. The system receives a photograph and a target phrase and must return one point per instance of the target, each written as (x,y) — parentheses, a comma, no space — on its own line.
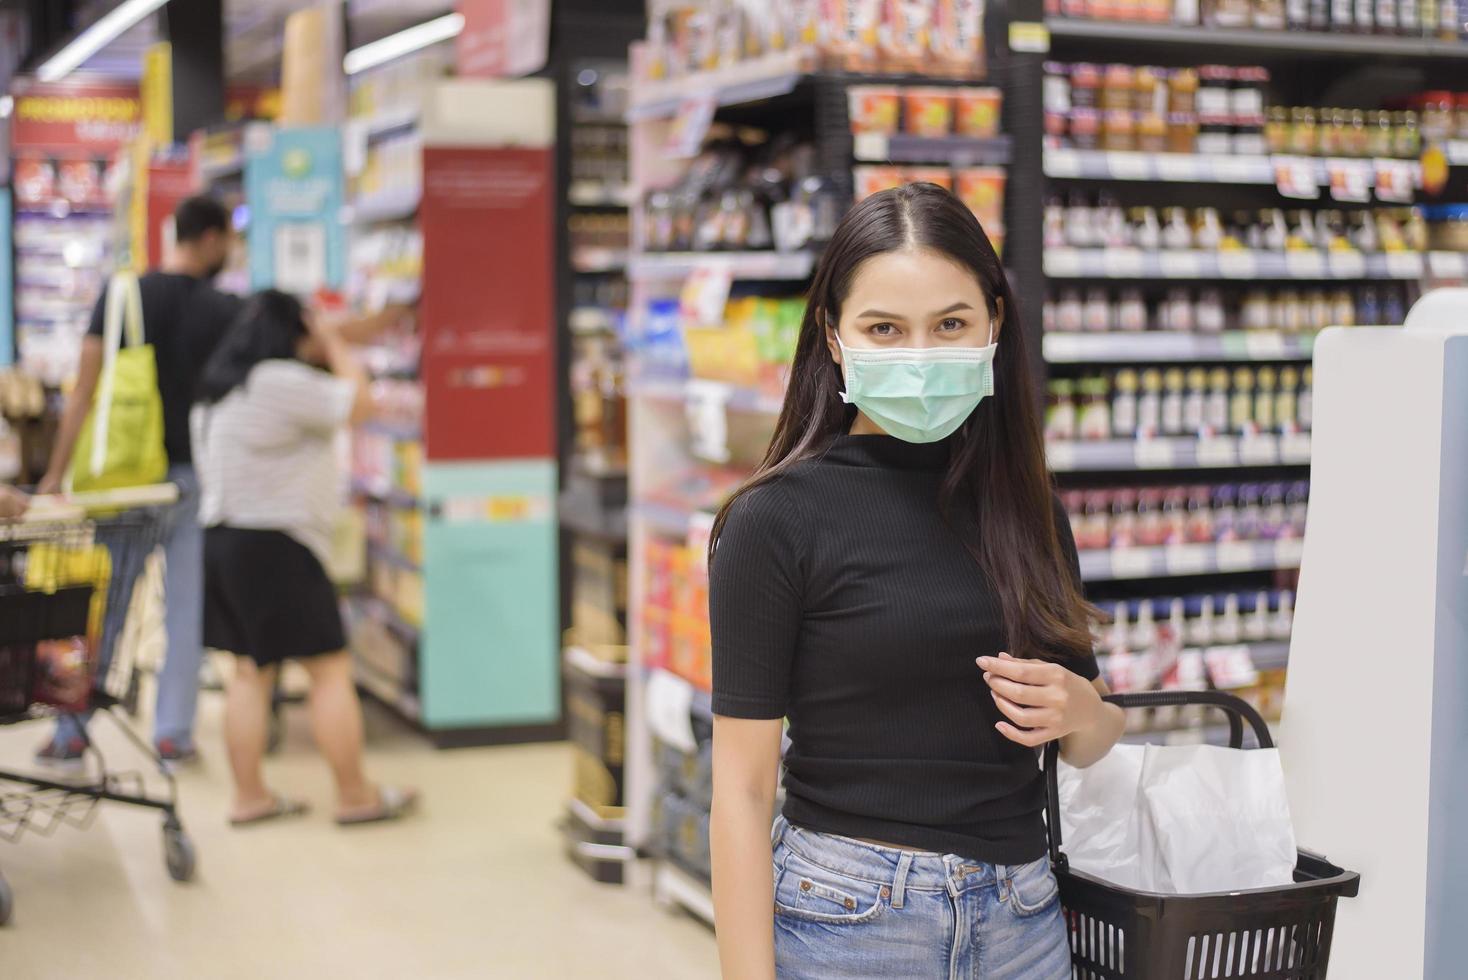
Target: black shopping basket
(1278,933)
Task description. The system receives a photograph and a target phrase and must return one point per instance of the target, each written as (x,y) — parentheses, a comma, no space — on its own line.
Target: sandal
(393,803)
(282,807)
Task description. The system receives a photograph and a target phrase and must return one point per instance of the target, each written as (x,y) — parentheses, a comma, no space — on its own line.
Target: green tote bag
(121,443)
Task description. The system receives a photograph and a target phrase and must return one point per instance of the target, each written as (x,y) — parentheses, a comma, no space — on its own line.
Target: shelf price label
(1177,166)
(1154,454)
(670,710)
(1347,264)
(1296,177)
(1350,180)
(1234,264)
(1288,552)
(872,147)
(1259,450)
(1294,447)
(1239,170)
(1305,264)
(1064,263)
(1131,563)
(1404,265)
(1264,346)
(1180,264)
(1236,556)
(1123,263)
(1396,180)
(1186,559)
(1058,162)
(1446,265)
(1216,451)
(1126,165)
(1061,455)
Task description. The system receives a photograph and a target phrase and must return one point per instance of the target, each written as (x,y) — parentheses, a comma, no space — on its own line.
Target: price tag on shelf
(1064,263)
(1180,264)
(690,126)
(1264,346)
(1305,264)
(1154,454)
(1177,166)
(708,420)
(1404,265)
(1288,552)
(1236,264)
(705,294)
(1350,180)
(1396,180)
(1123,263)
(871,147)
(1217,451)
(1029,36)
(1126,165)
(1294,447)
(1236,556)
(1240,169)
(670,710)
(1346,264)
(1062,163)
(1061,456)
(1296,177)
(1260,449)
(1186,559)
(1132,563)
(1446,265)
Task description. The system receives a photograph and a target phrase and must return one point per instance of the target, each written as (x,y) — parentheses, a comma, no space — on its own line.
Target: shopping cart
(71,611)
(1278,933)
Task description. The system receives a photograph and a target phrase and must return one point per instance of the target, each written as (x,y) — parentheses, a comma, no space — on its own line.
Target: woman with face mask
(898,580)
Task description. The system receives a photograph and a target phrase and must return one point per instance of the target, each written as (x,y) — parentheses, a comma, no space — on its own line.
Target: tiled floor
(475,886)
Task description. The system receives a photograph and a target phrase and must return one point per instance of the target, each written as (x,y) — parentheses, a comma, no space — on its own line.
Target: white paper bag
(1099,819)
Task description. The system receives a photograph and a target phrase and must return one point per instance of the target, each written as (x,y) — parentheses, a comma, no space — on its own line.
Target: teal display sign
(294,189)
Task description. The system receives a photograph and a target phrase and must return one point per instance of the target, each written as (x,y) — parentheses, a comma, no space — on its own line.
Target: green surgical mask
(917,394)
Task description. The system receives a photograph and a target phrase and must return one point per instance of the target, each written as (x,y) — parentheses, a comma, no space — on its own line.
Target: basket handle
(1237,709)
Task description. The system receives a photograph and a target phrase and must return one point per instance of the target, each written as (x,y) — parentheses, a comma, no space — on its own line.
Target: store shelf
(1190,559)
(1244,41)
(384,206)
(581,517)
(400,431)
(955,151)
(391,496)
(673,885)
(1185,167)
(592,319)
(664,518)
(735,397)
(785,266)
(1265,655)
(593,819)
(1174,453)
(387,690)
(595,194)
(766,77)
(1132,263)
(392,123)
(1173,347)
(387,556)
(590,259)
(578,658)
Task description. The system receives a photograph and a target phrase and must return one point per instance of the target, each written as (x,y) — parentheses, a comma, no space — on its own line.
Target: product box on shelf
(599,596)
(596,727)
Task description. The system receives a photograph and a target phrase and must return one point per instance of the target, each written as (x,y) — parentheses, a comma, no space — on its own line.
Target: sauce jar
(1118,90)
(1303,139)
(1182,91)
(1182,132)
(1085,128)
(1437,122)
(1119,131)
(1085,85)
(1152,133)
(1277,129)
(1147,84)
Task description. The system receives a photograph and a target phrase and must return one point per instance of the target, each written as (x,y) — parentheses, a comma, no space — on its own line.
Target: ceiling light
(95,38)
(403,42)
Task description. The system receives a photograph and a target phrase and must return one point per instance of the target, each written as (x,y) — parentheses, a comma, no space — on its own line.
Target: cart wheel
(178,853)
(7,901)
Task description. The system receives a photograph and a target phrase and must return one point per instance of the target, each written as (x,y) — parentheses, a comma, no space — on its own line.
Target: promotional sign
(502,38)
(92,118)
(488,309)
(294,183)
(169,183)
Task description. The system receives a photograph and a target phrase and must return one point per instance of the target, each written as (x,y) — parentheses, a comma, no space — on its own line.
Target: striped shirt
(266,453)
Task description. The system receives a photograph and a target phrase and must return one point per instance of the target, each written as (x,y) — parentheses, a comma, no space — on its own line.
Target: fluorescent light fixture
(102,33)
(403,42)
(7,106)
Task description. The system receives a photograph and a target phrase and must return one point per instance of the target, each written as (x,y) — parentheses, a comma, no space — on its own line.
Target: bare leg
(246,723)
(336,724)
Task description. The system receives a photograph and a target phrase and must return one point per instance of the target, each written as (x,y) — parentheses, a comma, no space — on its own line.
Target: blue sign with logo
(294,188)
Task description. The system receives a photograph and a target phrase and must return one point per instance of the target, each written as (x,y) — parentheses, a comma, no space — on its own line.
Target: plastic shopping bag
(1220,820)
(1185,819)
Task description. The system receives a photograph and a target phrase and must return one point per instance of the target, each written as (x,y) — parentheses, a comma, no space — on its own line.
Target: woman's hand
(13,503)
(1043,700)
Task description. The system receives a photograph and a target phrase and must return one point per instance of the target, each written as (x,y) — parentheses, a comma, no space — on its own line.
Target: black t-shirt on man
(841,598)
(184,318)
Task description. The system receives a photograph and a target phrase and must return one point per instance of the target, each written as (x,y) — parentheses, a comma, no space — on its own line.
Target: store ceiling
(254,31)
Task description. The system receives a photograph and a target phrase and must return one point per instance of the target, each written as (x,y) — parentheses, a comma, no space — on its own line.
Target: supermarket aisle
(476,886)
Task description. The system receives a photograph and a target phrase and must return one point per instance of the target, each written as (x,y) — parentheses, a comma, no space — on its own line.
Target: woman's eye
(882,330)
(951,324)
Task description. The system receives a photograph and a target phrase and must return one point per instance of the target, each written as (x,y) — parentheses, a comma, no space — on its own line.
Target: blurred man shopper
(184,318)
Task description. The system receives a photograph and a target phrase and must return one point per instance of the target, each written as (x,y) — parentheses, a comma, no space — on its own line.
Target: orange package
(976,111)
(874,108)
(929,111)
(958,38)
(849,33)
(982,189)
(904,36)
(867,181)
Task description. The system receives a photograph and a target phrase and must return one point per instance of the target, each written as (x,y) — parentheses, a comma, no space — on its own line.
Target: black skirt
(267,597)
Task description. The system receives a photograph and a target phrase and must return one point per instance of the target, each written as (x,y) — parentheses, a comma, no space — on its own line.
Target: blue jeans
(183,598)
(848,909)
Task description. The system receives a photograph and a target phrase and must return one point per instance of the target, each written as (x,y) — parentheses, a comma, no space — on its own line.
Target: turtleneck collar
(888,452)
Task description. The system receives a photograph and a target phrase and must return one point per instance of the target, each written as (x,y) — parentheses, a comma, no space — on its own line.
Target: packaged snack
(976,111)
(802,27)
(929,111)
(958,38)
(867,181)
(849,33)
(941,176)
(982,189)
(874,108)
(904,35)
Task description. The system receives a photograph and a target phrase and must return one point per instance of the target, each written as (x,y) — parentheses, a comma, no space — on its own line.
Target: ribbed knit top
(841,599)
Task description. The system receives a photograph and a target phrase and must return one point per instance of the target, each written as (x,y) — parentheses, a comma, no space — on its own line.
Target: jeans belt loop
(899,881)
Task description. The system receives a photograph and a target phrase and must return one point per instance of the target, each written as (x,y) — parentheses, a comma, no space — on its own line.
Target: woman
(264,435)
(898,579)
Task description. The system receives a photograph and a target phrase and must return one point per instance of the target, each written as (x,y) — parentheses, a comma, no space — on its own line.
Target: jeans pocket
(804,890)
(1033,888)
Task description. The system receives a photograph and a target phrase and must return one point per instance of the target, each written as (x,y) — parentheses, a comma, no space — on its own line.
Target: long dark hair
(269,327)
(996,492)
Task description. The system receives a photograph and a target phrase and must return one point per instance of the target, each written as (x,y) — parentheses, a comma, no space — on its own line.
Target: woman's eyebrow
(955,308)
(878,313)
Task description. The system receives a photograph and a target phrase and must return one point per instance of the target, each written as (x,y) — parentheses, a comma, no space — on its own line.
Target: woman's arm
(746,770)
(343,363)
(1047,702)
